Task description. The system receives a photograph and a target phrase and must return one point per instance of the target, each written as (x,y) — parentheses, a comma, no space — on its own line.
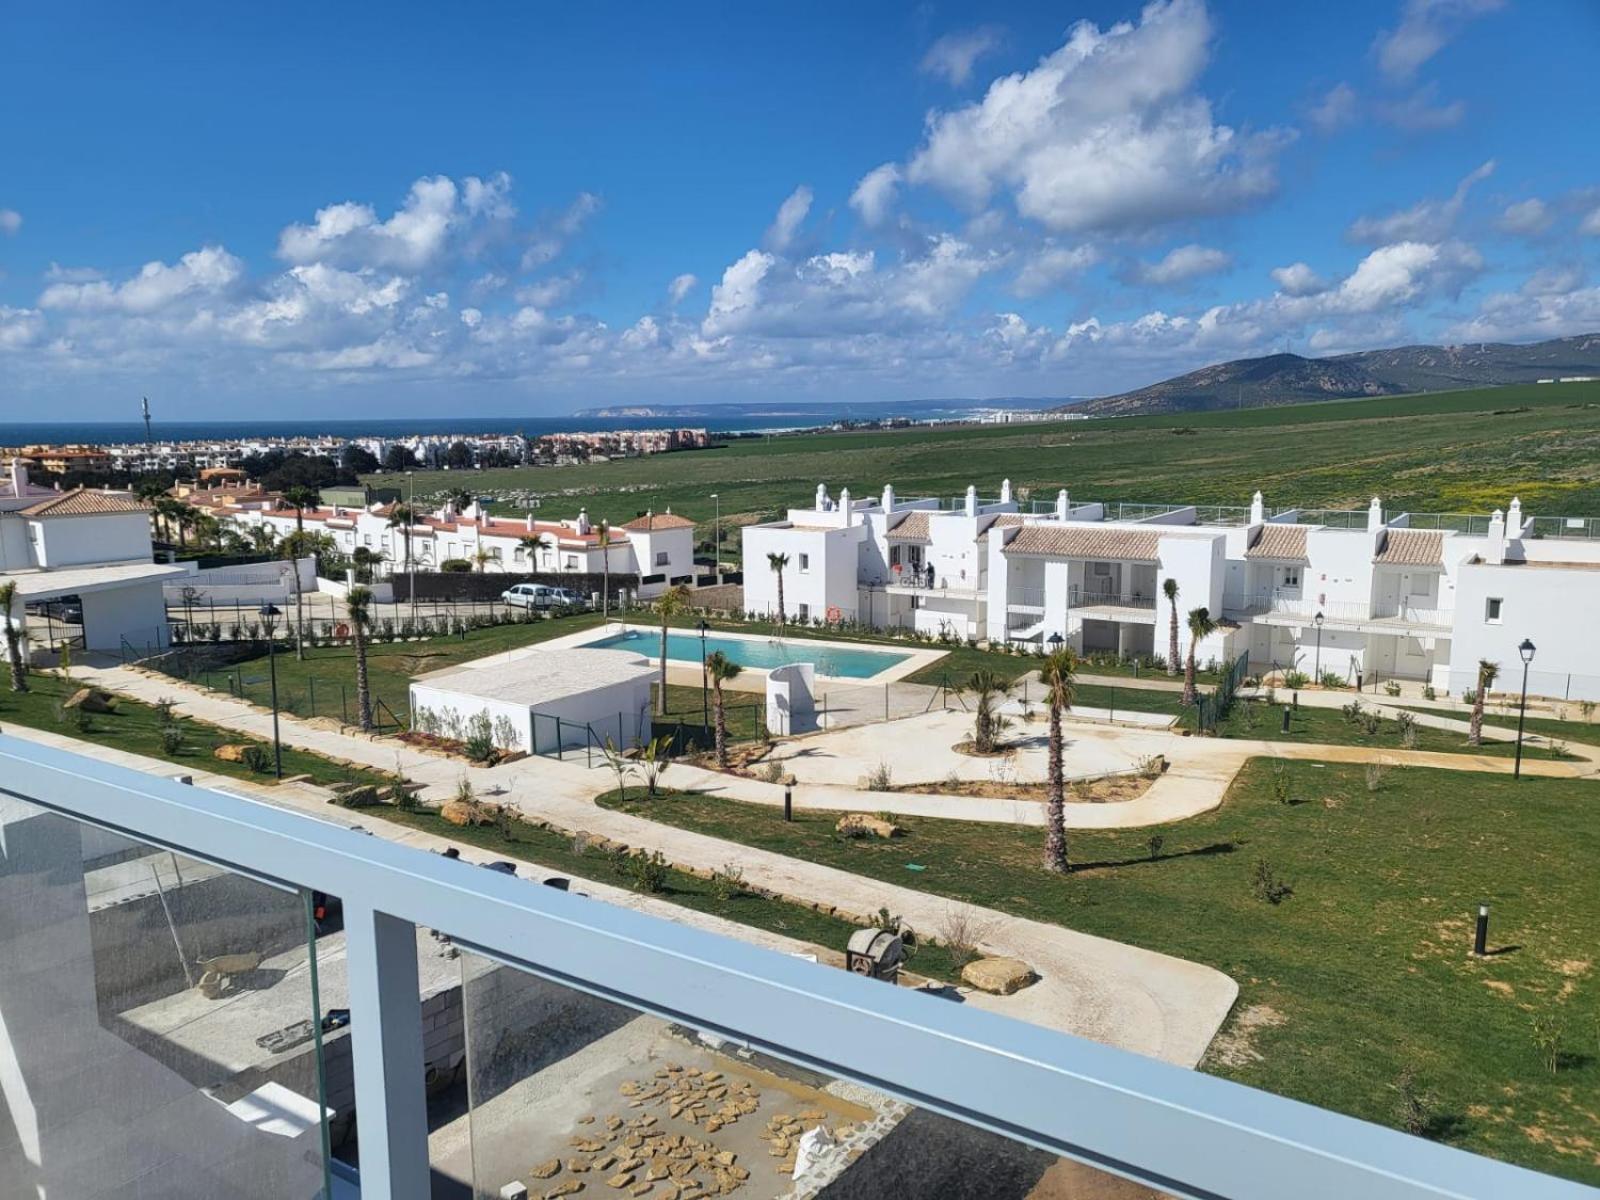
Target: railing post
(386,1045)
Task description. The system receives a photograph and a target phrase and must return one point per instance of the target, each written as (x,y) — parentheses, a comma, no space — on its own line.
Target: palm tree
(262,539)
(603,540)
(1201,626)
(403,517)
(1169,589)
(459,500)
(778,562)
(720,668)
(358,604)
(15,631)
(301,498)
(1057,675)
(988,688)
(1488,672)
(671,603)
(185,515)
(482,558)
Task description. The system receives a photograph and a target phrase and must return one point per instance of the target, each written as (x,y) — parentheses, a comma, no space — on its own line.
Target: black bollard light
(788,804)
(1285,718)
(1480,940)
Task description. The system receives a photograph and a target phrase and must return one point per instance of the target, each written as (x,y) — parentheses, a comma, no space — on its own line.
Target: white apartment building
(659,547)
(1359,593)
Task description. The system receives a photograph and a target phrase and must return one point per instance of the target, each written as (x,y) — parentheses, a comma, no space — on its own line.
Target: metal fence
(308,696)
(554,736)
(1210,709)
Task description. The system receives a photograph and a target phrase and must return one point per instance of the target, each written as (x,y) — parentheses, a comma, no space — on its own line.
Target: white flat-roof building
(1356,592)
(538,698)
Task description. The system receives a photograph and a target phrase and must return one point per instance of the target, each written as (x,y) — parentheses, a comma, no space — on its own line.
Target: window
(572,562)
(805,563)
(805,612)
(1102,569)
(661,558)
(1291,577)
(1491,609)
(520,554)
(894,555)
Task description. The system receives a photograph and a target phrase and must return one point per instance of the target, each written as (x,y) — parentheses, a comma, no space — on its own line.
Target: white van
(539,595)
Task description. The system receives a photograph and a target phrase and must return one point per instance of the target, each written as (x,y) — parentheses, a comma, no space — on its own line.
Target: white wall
(618,711)
(676,544)
(1552,606)
(101,538)
(135,611)
(828,581)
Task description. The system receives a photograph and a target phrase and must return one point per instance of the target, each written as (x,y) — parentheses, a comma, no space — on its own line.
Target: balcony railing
(121,1072)
(1348,612)
(1026,599)
(1080,597)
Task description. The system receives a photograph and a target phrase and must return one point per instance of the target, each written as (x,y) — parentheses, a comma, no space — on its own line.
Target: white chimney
(1062,505)
(844,503)
(1375,515)
(583,521)
(888,497)
(530,522)
(1496,551)
(1005,491)
(1514,518)
(1258,509)
(822,497)
(972,500)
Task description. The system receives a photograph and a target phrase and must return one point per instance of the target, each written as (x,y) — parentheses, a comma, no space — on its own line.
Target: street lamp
(1526,650)
(705,708)
(716,526)
(269,622)
(1318,669)
(411,515)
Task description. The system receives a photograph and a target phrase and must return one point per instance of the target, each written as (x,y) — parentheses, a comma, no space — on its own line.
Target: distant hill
(1290,379)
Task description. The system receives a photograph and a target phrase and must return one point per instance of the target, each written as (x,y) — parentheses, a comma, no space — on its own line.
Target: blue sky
(523,209)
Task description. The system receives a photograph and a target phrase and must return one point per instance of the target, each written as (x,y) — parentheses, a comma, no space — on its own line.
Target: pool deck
(913,660)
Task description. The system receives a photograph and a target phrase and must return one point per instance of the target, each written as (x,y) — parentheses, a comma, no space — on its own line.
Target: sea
(719,418)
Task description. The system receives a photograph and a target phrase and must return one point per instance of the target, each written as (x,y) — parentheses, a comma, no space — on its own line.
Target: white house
(87,548)
(1363,592)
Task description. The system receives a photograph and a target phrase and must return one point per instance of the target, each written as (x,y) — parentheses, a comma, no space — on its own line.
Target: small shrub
(1391,688)
(1352,711)
(1372,722)
(646,872)
(1415,1109)
(1266,885)
(894,923)
(1470,696)
(479,745)
(728,883)
(171,740)
(1375,775)
(257,759)
(464,791)
(1332,680)
(1152,765)
(1429,692)
(1282,780)
(1154,843)
(1586,707)
(961,931)
(1548,1033)
(1405,721)
(1408,737)
(1558,749)
(1295,680)
(164,710)
(879,779)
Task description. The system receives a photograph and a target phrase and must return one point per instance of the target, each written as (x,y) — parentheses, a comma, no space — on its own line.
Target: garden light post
(1318,668)
(1526,650)
(411,563)
(705,707)
(269,622)
(1480,938)
(716,536)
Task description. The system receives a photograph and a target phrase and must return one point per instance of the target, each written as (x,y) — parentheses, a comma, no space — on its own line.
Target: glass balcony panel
(568,1089)
(156,1033)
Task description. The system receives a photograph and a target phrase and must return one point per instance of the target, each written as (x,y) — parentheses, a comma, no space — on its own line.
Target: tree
(531,544)
(1488,672)
(399,458)
(1058,677)
(1169,589)
(1201,626)
(671,603)
(603,540)
(358,460)
(458,457)
(778,562)
(403,517)
(359,605)
(301,470)
(719,669)
(459,499)
(15,633)
(262,539)
(482,558)
(988,688)
(299,498)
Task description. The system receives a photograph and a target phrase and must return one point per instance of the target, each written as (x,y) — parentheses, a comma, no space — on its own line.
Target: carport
(120,603)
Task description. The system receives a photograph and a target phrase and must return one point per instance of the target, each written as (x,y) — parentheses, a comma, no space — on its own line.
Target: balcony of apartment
(1103,604)
(1293,609)
(916,580)
(202,995)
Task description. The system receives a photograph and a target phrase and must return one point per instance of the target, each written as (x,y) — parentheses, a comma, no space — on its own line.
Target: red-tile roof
(651,523)
(1281,543)
(84,502)
(1053,540)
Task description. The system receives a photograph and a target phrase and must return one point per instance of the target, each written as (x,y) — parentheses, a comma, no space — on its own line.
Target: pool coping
(915,658)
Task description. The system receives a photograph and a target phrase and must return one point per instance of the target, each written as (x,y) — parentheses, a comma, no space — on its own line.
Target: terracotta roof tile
(84,502)
(913,527)
(666,520)
(1285,543)
(1055,540)
(1412,548)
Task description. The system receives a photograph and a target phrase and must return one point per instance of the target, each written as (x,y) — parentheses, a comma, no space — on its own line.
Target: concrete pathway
(1103,990)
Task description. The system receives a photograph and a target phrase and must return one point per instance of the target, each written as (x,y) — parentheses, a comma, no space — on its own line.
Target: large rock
(466,812)
(91,700)
(867,825)
(231,752)
(998,976)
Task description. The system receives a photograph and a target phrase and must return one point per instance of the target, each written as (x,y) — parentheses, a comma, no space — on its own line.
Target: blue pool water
(760,655)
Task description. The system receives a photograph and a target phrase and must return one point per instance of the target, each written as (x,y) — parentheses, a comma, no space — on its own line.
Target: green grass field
(1463,451)
(136,728)
(1362,973)
(1561,731)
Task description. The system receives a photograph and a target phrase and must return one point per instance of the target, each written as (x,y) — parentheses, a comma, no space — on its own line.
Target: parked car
(67,611)
(539,595)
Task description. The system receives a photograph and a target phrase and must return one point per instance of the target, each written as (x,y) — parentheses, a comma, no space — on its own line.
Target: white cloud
(1553,302)
(56,273)
(1555,280)
(1298,279)
(350,234)
(1105,133)
(208,271)
(20,327)
(1337,108)
(553,234)
(1050,265)
(680,287)
(874,195)
(791,214)
(1420,112)
(1526,217)
(1181,265)
(952,57)
(1590,225)
(1397,274)
(10,221)
(1425,27)
(1427,220)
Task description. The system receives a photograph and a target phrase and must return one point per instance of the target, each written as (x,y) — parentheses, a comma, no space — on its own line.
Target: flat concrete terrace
(536,675)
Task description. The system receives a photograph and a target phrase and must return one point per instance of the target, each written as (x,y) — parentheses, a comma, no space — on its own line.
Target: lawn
(1362,973)
(1329,726)
(1449,452)
(559,851)
(136,728)
(746,712)
(1561,731)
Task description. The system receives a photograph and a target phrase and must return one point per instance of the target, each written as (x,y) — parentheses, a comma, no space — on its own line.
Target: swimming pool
(756,653)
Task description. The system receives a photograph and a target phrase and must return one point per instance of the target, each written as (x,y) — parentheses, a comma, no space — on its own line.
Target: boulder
(865,824)
(231,752)
(91,700)
(361,796)
(998,976)
(466,812)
